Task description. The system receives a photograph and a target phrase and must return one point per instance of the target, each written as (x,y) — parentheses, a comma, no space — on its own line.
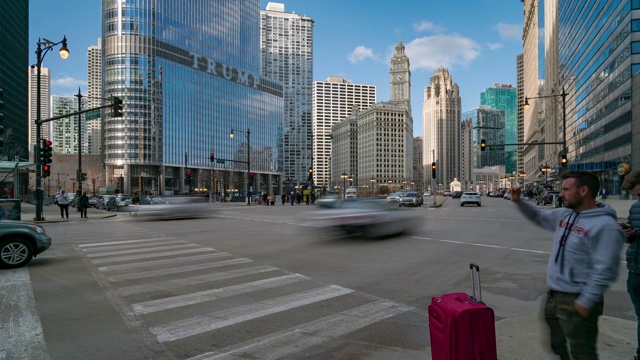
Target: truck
(351,194)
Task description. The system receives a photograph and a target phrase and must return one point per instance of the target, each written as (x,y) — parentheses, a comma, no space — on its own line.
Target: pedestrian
(83,204)
(583,263)
(292,198)
(284,198)
(604,194)
(62,199)
(631,229)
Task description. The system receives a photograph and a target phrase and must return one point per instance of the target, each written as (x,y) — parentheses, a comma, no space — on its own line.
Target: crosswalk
(201,303)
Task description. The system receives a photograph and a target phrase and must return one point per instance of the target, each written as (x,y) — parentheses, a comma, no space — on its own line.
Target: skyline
(478,45)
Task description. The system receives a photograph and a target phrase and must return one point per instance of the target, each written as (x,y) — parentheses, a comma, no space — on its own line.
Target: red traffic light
(46,167)
(47,143)
(188,173)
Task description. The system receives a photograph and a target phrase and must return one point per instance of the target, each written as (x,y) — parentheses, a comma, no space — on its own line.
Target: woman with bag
(62,199)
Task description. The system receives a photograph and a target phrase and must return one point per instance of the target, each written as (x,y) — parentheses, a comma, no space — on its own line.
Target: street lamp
(522,176)
(344,177)
(350,180)
(404,185)
(511,178)
(248,134)
(545,169)
(44,46)
(563,95)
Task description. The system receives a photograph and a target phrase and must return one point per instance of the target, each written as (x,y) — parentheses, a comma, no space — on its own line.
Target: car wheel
(461,204)
(479,205)
(15,253)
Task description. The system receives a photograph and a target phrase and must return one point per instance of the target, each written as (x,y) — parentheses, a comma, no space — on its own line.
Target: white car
(394,197)
(470,197)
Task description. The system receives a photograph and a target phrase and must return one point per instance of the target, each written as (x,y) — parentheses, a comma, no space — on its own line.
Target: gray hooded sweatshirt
(586,251)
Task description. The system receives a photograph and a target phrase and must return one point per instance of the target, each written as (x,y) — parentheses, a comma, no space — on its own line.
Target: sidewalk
(51,213)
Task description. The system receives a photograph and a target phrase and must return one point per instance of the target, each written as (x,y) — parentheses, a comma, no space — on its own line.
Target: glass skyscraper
(189,73)
(489,124)
(504,97)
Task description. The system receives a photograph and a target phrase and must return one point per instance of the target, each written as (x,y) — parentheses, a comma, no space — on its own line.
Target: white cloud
(68,82)
(509,31)
(361,53)
(432,52)
(494,46)
(427,25)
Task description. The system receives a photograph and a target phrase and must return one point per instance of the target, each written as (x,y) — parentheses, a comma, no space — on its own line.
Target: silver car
(394,197)
(470,197)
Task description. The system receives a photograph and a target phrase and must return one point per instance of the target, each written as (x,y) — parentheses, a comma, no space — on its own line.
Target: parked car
(411,199)
(546,197)
(427,193)
(456,194)
(92,201)
(370,218)
(470,197)
(101,201)
(20,242)
(393,197)
(447,193)
(329,200)
(117,202)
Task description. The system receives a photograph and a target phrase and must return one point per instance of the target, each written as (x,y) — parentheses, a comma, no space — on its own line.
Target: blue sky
(477,40)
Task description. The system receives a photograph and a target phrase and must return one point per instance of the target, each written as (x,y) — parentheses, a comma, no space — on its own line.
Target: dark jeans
(567,325)
(83,211)
(64,210)
(633,288)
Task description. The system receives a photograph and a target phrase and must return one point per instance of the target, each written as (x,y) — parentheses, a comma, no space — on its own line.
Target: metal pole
(79,96)
(36,155)
(248,166)
(433,180)
(564,122)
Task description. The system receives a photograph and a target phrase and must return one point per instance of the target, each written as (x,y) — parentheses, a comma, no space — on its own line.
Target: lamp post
(522,176)
(545,169)
(344,177)
(511,178)
(248,134)
(44,46)
(350,180)
(413,187)
(372,180)
(563,95)
(404,185)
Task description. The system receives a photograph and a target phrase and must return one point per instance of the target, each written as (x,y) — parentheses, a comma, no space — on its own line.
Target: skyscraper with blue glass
(504,97)
(189,74)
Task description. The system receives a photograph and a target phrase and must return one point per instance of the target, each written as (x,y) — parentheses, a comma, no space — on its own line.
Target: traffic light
(433,170)
(1,118)
(117,107)
(212,157)
(563,160)
(483,145)
(46,152)
(188,179)
(310,176)
(84,176)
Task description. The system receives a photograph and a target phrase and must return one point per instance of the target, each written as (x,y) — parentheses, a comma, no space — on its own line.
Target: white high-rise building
(442,118)
(94,76)
(45,86)
(286,45)
(333,100)
(65,130)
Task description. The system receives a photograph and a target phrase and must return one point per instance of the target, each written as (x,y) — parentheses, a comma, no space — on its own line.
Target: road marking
(150,256)
(194,280)
(20,325)
(213,294)
(177,270)
(219,319)
(164,242)
(140,250)
(121,242)
(483,245)
(294,340)
(163,262)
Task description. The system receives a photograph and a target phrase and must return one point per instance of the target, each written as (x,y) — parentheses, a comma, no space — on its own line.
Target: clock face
(399,77)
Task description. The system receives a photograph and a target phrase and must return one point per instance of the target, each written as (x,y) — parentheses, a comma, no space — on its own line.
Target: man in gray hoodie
(584,261)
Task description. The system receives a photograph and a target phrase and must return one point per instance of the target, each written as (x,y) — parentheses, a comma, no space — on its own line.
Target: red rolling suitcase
(462,327)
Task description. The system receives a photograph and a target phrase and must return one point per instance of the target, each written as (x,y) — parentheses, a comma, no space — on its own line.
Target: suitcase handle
(475,272)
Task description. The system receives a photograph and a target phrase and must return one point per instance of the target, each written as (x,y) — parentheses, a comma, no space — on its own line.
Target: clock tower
(400,76)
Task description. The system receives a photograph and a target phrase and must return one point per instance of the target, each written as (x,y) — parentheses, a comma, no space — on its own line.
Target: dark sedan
(410,199)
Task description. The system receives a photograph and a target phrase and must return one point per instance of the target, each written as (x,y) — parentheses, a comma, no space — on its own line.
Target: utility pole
(79,175)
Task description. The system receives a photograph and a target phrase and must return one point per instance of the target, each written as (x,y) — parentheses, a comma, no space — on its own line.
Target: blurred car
(117,202)
(169,208)
(20,242)
(410,199)
(394,197)
(101,201)
(73,199)
(427,193)
(370,218)
(92,201)
(456,194)
(546,197)
(447,193)
(470,197)
(329,200)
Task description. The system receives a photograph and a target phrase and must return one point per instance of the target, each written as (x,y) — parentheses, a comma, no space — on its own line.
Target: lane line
(193,280)
(219,319)
(213,294)
(176,270)
(150,256)
(482,245)
(163,262)
(20,327)
(297,339)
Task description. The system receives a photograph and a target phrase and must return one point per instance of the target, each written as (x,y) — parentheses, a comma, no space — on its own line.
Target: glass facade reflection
(488,124)
(188,73)
(504,97)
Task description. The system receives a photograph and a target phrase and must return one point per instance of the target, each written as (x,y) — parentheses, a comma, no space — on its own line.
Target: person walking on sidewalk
(631,229)
(83,204)
(62,199)
(583,263)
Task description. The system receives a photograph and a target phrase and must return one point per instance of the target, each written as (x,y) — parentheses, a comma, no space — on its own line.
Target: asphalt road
(252,282)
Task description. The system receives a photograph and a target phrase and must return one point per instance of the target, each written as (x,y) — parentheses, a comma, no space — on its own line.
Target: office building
(418,183)
(333,100)
(14,80)
(286,45)
(441,117)
(45,87)
(65,130)
(93,143)
(187,82)
(520,111)
(504,97)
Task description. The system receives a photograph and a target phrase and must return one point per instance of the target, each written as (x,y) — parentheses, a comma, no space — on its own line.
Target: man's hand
(516,194)
(583,311)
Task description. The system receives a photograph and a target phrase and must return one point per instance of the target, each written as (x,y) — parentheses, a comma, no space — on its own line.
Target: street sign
(92,115)
(219,161)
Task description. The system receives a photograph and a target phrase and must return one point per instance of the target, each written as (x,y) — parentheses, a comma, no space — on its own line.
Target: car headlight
(38,229)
